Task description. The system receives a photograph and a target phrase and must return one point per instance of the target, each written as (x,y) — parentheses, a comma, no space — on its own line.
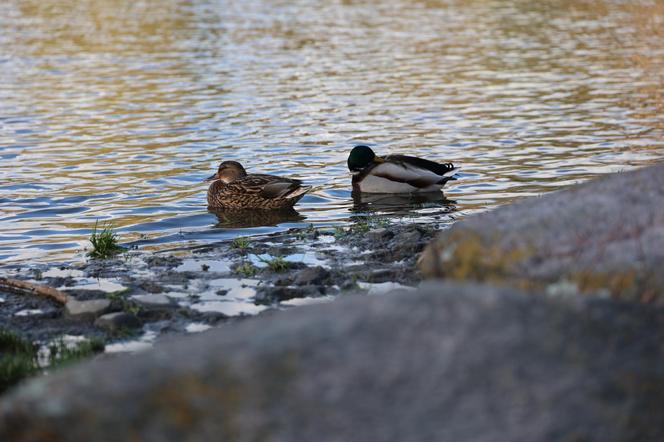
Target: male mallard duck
(232,188)
(395,173)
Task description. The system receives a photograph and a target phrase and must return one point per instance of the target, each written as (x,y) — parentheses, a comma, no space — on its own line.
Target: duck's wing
(415,171)
(439,169)
(269,186)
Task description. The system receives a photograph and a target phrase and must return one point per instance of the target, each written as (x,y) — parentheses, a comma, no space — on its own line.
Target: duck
(396,173)
(233,188)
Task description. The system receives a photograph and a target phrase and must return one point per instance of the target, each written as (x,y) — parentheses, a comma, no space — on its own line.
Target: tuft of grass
(340,232)
(276,264)
(240,243)
(246,269)
(19,358)
(309,230)
(127,305)
(10,342)
(362,224)
(369,222)
(62,354)
(104,242)
(361,227)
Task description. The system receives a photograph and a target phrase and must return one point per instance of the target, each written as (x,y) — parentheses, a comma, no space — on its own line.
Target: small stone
(154,301)
(408,238)
(269,295)
(213,317)
(312,276)
(150,286)
(384,275)
(117,321)
(283,281)
(163,261)
(86,310)
(378,235)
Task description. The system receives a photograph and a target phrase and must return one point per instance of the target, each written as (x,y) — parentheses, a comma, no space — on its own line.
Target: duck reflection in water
(403,203)
(242,218)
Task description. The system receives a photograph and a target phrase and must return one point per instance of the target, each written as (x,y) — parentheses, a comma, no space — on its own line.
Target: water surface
(116,109)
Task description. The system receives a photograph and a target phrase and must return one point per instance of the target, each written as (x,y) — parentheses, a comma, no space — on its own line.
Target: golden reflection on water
(117,109)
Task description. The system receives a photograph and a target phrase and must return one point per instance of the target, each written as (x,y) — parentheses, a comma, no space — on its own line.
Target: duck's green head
(360,157)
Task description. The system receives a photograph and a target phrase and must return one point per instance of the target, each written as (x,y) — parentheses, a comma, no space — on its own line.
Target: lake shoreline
(155,294)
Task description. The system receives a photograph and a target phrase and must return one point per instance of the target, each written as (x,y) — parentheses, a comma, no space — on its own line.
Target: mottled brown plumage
(232,188)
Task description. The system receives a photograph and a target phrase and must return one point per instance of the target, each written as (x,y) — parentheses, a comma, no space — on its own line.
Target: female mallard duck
(396,173)
(232,188)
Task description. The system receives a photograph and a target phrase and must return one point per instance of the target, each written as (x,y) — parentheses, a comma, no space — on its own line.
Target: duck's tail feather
(447,178)
(298,192)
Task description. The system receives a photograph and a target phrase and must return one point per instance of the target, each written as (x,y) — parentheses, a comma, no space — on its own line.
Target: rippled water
(117,109)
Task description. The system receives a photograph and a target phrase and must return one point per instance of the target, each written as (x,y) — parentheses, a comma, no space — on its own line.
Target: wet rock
(204,249)
(150,286)
(281,250)
(154,302)
(117,321)
(470,362)
(604,236)
(85,294)
(175,278)
(284,281)
(383,275)
(379,235)
(312,276)
(407,244)
(163,261)
(411,236)
(60,281)
(270,295)
(86,310)
(212,317)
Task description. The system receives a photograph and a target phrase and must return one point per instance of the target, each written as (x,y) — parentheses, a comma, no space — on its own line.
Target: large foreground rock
(452,362)
(605,236)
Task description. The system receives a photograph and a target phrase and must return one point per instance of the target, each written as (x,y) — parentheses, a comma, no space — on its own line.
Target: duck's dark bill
(211,178)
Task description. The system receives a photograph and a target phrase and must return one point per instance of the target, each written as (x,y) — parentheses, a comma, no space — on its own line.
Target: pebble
(117,321)
(86,310)
(154,301)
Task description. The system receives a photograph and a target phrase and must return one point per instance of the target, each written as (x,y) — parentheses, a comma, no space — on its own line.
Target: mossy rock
(604,237)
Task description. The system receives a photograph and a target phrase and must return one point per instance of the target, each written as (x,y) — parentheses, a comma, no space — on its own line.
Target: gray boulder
(604,236)
(451,362)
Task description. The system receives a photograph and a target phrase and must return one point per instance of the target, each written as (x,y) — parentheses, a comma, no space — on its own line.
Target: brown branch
(16,285)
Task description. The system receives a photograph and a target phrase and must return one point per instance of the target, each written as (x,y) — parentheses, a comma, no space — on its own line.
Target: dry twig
(16,285)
